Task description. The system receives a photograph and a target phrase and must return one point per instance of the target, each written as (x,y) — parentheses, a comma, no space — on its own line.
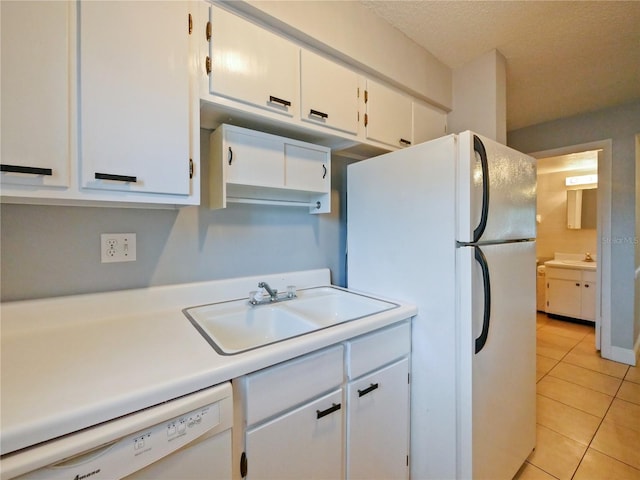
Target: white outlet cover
(117,247)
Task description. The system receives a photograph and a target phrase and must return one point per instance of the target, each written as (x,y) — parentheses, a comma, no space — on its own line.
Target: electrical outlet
(118,247)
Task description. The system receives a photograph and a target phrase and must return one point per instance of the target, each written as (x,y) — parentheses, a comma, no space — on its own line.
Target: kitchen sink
(236,326)
(328,306)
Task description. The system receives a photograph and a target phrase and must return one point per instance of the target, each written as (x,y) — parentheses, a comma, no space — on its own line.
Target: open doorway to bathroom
(557,212)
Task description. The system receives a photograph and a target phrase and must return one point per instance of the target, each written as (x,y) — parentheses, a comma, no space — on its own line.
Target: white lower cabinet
(302,443)
(378,424)
(341,412)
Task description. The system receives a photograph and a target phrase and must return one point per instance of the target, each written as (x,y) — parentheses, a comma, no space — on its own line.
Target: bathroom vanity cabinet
(571,292)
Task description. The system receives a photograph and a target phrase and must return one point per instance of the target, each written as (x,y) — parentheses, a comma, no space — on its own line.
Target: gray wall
(50,251)
(620,124)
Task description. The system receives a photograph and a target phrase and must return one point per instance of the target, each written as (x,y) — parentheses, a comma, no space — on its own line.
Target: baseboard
(625,355)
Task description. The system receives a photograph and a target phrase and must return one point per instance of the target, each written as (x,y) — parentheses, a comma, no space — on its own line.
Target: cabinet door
(251,64)
(388,118)
(428,123)
(303,443)
(378,424)
(564,297)
(328,93)
(307,169)
(36,86)
(254,160)
(588,310)
(134,101)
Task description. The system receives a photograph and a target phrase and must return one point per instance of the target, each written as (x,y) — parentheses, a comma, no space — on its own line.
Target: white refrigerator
(449,225)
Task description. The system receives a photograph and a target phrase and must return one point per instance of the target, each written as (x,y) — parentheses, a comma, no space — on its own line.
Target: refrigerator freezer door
(505,186)
(496,382)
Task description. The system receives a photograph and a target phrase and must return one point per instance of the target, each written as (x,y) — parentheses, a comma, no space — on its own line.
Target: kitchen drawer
(564,273)
(588,276)
(373,350)
(282,386)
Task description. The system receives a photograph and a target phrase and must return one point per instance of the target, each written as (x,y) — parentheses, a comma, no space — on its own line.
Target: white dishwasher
(188,438)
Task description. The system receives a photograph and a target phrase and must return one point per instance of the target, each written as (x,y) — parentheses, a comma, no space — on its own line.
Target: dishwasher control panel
(131,453)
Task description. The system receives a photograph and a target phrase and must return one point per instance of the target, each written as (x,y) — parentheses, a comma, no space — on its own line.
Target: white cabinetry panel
(328,93)
(307,169)
(389,113)
(428,123)
(36,93)
(254,160)
(303,443)
(378,424)
(134,84)
(251,64)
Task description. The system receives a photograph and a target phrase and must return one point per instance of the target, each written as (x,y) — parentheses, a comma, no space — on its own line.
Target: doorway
(600,159)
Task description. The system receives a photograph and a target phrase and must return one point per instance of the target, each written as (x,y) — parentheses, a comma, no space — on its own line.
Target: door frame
(603,287)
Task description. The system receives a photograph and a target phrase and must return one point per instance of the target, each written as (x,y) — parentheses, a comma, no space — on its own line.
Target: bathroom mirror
(582,210)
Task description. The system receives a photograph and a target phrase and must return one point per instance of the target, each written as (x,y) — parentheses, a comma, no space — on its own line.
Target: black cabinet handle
(325,171)
(230,155)
(405,142)
(323,413)
(273,99)
(20,169)
(577,284)
(318,113)
(369,389)
(116,178)
(586,285)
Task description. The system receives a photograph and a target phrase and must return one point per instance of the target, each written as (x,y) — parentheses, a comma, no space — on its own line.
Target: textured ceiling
(563,57)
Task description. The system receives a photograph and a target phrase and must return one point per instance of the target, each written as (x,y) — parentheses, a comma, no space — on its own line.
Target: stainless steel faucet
(273,294)
(256,298)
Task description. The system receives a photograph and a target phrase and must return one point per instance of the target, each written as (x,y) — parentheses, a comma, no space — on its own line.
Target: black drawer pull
(273,99)
(586,285)
(318,113)
(117,178)
(369,389)
(405,142)
(20,169)
(324,174)
(323,413)
(577,284)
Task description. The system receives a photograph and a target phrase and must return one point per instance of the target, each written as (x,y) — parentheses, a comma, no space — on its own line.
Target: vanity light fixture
(581,180)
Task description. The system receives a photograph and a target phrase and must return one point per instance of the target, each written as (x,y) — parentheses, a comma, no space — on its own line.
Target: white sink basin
(234,327)
(328,306)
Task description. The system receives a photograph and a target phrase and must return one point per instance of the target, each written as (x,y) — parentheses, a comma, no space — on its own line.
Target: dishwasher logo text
(86,475)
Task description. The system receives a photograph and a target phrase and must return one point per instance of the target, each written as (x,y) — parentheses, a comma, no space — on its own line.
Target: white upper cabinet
(328,93)
(248,166)
(134,96)
(250,64)
(388,116)
(36,93)
(428,122)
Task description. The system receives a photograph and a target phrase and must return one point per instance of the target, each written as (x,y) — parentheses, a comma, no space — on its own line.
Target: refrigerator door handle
(478,147)
(486,282)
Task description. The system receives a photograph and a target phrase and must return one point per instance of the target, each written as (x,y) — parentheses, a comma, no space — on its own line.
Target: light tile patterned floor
(588,409)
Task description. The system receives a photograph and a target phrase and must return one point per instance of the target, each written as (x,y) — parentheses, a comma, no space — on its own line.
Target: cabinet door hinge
(358,117)
(190,168)
(208,31)
(207,65)
(358,92)
(366,119)
(243,464)
(408,378)
(366,96)
(407,460)
(190,24)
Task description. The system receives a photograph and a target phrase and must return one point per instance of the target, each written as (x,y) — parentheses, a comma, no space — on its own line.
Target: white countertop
(573,261)
(72,362)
